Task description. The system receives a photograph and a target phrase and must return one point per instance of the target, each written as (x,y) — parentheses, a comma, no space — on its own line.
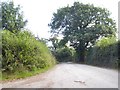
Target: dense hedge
(119,54)
(64,54)
(0,50)
(104,53)
(22,51)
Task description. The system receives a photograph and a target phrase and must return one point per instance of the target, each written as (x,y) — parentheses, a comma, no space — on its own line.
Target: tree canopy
(82,25)
(12,17)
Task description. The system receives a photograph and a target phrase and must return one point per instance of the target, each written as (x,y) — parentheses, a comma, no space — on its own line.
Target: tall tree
(12,17)
(82,25)
(0,17)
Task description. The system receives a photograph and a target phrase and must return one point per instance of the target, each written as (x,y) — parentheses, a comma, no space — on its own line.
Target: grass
(24,74)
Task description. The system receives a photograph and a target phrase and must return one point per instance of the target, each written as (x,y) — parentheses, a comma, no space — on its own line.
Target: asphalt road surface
(68,75)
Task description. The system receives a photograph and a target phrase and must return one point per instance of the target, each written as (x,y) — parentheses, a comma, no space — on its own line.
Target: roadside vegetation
(23,55)
(21,51)
(104,53)
(91,33)
(89,37)
(62,52)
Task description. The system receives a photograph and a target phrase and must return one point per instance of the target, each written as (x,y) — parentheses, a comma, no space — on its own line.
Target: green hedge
(21,51)
(64,54)
(119,54)
(104,53)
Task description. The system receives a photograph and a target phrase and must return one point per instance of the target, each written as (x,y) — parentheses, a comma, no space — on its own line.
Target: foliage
(12,17)
(119,54)
(0,52)
(64,54)
(0,18)
(55,43)
(104,53)
(106,41)
(21,51)
(82,25)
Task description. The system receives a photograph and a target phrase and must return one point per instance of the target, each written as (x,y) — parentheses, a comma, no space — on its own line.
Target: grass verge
(23,74)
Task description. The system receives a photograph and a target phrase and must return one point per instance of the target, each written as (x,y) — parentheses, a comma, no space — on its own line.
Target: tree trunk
(81,53)
(82,56)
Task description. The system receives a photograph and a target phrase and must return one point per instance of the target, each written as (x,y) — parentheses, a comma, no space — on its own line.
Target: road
(68,75)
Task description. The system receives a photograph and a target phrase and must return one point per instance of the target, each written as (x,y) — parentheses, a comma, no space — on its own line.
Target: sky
(39,12)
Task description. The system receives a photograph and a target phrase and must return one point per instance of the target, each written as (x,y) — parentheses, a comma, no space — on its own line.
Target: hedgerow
(21,51)
(64,54)
(104,53)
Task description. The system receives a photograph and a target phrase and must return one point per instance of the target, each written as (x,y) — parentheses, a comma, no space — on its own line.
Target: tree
(57,43)
(81,25)
(12,17)
(54,41)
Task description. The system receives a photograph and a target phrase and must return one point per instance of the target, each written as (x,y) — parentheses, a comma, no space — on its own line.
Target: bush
(104,53)
(21,51)
(119,54)
(65,54)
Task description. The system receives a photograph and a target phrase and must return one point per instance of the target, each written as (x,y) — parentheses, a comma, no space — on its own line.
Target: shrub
(104,53)
(119,54)
(22,51)
(65,54)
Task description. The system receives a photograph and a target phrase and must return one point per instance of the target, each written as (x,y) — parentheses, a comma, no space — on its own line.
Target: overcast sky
(39,12)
